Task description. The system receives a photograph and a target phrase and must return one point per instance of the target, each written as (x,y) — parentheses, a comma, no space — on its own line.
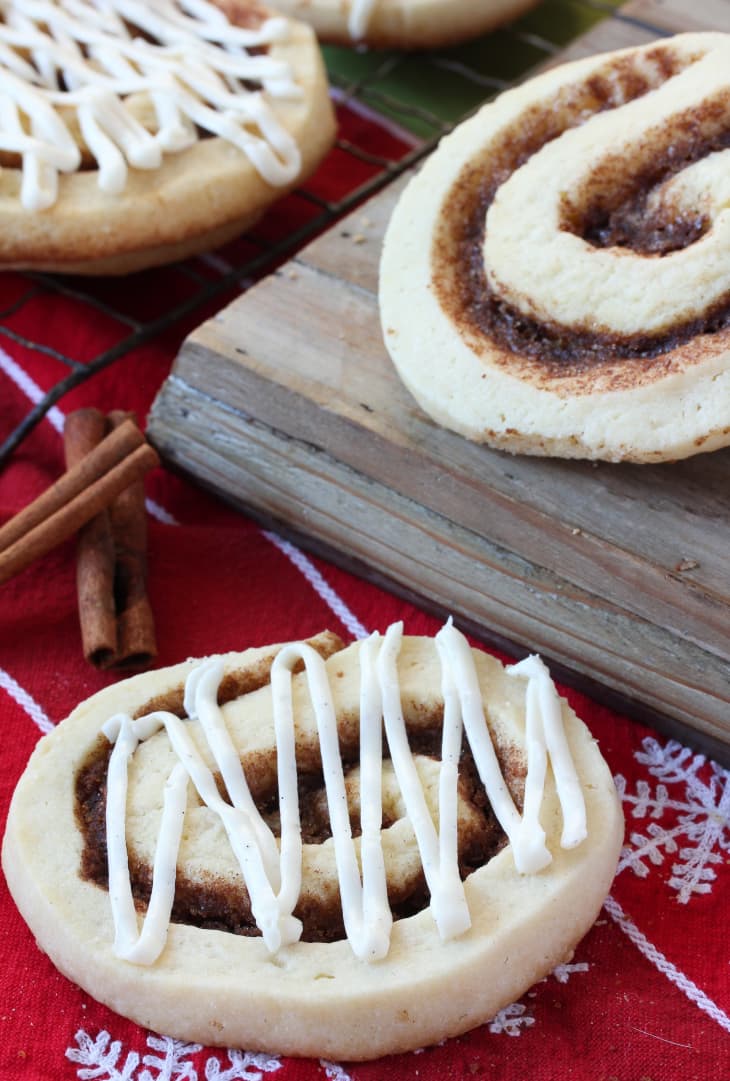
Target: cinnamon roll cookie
(403,24)
(316,850)
(556,280)
(135,133)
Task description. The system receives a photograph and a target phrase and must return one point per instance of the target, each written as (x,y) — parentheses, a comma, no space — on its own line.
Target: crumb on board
(686,564)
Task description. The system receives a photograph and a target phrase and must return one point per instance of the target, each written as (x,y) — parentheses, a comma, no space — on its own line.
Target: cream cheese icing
(271,871)
(60,58)
(361,12)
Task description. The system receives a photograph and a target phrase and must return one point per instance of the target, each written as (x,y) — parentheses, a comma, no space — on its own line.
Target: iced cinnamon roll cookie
(316,850)
(556,280)
(403,24)
(135,133)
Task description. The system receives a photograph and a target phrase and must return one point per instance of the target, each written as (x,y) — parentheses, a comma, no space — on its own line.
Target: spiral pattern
(572,266)
(210,890)
(183,758)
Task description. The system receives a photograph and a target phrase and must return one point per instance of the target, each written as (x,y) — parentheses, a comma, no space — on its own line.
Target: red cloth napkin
(646,996)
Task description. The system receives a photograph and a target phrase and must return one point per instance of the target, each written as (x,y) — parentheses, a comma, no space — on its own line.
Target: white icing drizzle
(273,888)
(365,908)
(463,697)
(361,12)
(87,56)
(271,871)
(545,735)
(201,701)
(438,851)
(370,916)
(142,948)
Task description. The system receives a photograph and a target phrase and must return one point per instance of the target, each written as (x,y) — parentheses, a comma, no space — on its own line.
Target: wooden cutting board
(287,406)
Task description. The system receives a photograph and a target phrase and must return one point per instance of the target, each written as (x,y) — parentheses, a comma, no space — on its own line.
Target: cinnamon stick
(53,521)
(136,644)
(83,431)
(74,482)
(117,625)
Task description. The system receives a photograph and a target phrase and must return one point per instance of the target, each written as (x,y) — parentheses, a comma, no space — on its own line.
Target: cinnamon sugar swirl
(316,850)
(556,280)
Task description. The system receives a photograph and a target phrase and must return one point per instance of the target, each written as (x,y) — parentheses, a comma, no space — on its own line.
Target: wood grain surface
(286,404)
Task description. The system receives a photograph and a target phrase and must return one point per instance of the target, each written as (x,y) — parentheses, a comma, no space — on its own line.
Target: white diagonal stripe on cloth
(319,584)
(29,387)
(664,965)
(25,701)
(155,510)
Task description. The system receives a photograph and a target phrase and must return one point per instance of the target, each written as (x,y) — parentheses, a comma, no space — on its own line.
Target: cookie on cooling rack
(403,24)
(229,851)
(136,134)
(556,281)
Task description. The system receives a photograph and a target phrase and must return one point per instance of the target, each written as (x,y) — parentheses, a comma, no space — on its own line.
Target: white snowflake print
(244,1066)
(333,1072)
(562,973)
(511,1019)
(103,1059)
(99,1058)
(173,1063)
(687,815)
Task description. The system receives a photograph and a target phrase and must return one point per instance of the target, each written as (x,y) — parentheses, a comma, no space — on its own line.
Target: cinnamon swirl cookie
(231,852)
(135,133)
(403,24)
(556,280)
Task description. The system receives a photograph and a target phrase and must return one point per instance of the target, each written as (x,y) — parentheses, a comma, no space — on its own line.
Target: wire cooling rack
(408,101)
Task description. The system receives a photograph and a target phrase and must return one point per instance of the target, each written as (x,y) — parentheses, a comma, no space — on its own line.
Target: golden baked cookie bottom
(405,24)
(310,998)
(555,280)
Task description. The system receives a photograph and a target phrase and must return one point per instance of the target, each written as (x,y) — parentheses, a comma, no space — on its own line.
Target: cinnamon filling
(224,905)
(245,13)
(611,211)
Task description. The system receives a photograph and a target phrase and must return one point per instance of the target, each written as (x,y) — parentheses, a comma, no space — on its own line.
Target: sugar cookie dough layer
(556,279)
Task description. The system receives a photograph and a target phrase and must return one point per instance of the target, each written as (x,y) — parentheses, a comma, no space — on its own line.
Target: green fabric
(427,92)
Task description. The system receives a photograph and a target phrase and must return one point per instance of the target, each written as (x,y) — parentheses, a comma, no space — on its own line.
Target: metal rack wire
(407,95)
